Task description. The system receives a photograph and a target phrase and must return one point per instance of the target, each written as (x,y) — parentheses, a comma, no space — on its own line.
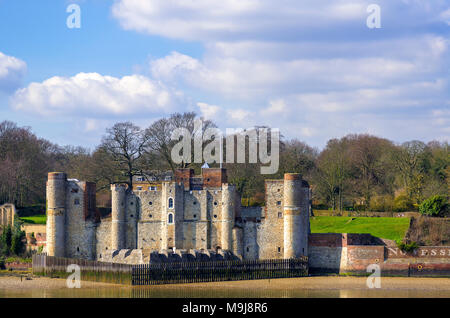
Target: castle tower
(56,213)
(118,206)
(228,202)
(296,228)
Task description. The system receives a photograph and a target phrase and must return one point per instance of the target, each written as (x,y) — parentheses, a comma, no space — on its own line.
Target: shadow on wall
(328,251)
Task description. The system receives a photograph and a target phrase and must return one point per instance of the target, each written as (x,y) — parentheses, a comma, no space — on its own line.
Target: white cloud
(12,71)
(206,20)
(251,75)
(445,16)
(208,111)
(92,94)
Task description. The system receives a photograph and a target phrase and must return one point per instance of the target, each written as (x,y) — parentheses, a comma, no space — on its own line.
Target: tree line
(355,172)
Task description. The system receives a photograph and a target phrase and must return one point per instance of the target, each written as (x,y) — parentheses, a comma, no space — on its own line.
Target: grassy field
(387,228)
(37,219)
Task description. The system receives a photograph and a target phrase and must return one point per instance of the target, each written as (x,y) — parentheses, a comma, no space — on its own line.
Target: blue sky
(311,68)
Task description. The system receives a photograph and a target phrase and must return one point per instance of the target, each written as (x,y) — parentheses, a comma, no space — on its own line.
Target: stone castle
(190,214)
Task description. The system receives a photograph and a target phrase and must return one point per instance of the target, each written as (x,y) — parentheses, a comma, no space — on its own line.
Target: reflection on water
(201,292)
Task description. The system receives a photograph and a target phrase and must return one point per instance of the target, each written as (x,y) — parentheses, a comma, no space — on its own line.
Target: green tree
(6,240)
(434,206)
(17,243)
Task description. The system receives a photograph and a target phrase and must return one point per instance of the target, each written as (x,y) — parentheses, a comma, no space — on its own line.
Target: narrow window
(170,203)
(278,202)
(76,201)
(279,249)
(280,215)
(170,218)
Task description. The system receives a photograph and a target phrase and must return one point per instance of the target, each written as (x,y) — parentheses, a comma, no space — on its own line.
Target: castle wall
(131,218)
(79,232)
(250,246)
(270,233)
(103,237)
(151,219)
(238,241)
(353,253)
(215,205)
(195,223)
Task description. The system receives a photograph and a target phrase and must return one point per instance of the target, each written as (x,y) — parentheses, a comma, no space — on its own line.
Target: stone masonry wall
(270,231)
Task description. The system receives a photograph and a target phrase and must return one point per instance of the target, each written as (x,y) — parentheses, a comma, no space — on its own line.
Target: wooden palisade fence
(52,266)
(193,272)
(172,273)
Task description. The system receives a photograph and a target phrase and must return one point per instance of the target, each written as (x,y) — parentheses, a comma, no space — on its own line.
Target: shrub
(381,203)
(407,247)
(402,204)
(2,263)
(434,206)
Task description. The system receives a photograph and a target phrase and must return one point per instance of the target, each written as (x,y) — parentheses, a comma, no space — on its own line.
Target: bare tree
(333,172)
(368,161)
(125,143)
(159,135)
(409,159)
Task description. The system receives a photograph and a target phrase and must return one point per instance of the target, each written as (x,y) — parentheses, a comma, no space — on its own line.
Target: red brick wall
(90,205)
(184,176)
(214,177)
(327,239)
(421,252)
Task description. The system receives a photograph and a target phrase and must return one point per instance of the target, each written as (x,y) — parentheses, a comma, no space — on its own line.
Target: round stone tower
(118,201)
(228,200)
(295,206)
(56,213)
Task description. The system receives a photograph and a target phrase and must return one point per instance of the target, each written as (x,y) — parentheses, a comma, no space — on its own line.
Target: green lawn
(37,219)
(387,228)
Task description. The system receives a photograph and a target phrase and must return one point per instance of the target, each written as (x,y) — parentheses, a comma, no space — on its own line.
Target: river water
(335,287)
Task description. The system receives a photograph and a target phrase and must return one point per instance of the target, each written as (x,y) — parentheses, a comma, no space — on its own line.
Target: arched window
(170,218)
(170,203)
